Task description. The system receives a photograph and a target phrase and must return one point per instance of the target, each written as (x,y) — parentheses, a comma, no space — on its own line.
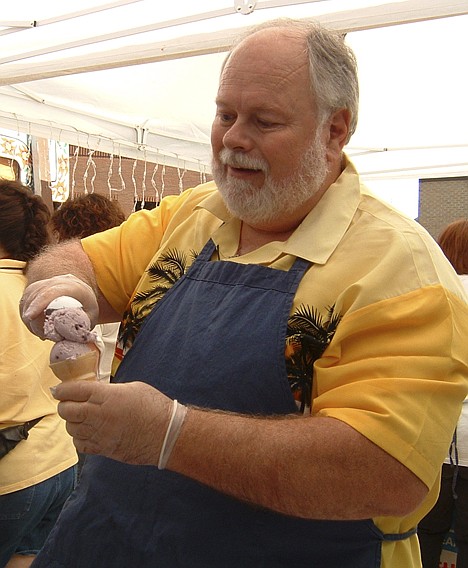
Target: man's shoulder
(400,246)
(378,215)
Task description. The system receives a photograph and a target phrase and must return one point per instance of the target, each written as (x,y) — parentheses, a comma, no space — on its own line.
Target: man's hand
(125,422)
(38,296)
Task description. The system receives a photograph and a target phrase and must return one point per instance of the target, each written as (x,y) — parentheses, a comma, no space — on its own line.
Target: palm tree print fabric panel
(308,335)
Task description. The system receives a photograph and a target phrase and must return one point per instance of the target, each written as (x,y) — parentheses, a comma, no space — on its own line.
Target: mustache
(240,160)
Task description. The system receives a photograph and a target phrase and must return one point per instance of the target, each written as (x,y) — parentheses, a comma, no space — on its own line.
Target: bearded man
(292,358)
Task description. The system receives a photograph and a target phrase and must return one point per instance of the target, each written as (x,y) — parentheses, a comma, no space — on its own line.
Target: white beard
(271,201)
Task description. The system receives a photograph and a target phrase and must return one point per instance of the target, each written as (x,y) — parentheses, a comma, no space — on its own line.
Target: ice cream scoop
(66,319)
(66,349)
(63,302)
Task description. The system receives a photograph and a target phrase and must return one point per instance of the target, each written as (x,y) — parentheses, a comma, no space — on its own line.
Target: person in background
(37,463)
(451,508)
(292,358)
(80,217)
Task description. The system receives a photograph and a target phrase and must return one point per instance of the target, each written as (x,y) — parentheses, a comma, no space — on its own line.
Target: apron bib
(215,340)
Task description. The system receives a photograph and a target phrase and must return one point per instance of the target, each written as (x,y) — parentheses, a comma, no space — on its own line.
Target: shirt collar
(328,221)
(215,205)
(13,265)
(321,231)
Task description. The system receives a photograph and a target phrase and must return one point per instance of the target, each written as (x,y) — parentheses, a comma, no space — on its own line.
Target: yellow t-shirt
(25,379)
(395,366)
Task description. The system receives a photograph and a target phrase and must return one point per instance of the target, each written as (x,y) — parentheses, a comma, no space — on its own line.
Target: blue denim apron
(215,340)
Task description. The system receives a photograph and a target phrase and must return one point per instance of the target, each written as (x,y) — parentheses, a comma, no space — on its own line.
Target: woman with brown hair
(85,215)
(454,242)
(37,456)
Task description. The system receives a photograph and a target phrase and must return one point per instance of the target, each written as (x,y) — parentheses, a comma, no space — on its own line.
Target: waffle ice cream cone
(82,368)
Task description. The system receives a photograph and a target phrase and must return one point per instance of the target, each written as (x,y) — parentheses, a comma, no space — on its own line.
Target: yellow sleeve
(121,255)
(397,372)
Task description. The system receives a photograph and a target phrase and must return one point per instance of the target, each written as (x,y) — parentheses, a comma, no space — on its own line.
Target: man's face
(268,155)
(259,206)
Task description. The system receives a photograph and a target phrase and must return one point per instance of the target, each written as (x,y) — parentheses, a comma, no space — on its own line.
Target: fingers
(77,399)
(81,431)
(86,436)
(38,296)
(79,391)
(79,406)
(30,312)
(72,412)
(124,421)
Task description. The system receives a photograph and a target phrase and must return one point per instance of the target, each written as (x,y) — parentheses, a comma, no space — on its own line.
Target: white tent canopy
(138,77)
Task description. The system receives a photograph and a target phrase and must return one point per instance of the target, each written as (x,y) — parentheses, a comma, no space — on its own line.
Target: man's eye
(224,117)
(265,123)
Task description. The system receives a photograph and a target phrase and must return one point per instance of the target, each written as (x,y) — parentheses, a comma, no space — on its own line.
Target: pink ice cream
(68,325)
(68,350)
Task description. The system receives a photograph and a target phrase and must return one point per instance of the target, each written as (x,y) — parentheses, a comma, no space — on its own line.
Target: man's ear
(337,132)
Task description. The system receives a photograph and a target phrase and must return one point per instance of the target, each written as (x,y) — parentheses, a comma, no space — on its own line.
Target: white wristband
(179,412)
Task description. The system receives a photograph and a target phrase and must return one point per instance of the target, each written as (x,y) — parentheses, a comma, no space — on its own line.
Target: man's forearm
(70,258)
(62,258)
(308,467)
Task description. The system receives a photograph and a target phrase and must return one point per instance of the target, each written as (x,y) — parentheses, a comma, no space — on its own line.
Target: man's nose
(238,137)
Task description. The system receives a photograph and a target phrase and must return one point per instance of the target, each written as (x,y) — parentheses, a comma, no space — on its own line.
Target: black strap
(10,437)
(32,423)
(454,463)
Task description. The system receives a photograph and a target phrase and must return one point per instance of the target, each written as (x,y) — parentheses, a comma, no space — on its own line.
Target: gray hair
(333,67)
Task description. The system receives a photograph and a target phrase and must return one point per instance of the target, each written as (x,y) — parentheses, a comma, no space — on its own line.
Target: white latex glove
(125,422)
(38,296)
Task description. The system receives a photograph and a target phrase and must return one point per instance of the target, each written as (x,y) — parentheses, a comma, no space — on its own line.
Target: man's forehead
(274,35)
(271,42)
(261,66)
